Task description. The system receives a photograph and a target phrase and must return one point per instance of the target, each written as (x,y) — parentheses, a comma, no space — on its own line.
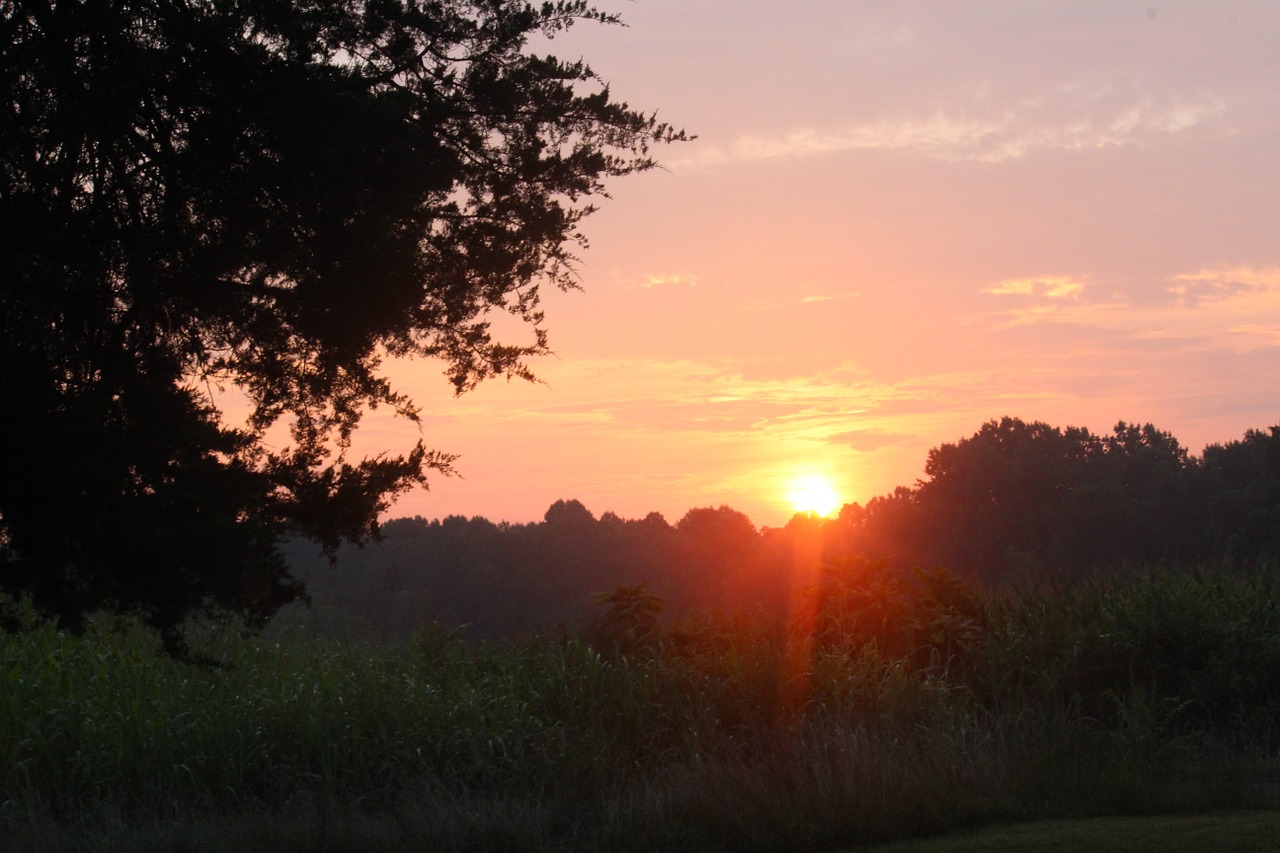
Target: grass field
(1229,832)
(887,707)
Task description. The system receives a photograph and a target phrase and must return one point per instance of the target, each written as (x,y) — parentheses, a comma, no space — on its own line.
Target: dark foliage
(1239,483)
(629,624)
(272,197)
(1016,505)
(926,616)
(503,580)
(1018,500)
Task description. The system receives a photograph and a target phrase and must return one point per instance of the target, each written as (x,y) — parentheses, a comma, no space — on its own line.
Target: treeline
(504,580)
(1014,504)
(1017,499)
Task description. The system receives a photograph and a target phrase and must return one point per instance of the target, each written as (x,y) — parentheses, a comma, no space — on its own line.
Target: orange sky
(898,221)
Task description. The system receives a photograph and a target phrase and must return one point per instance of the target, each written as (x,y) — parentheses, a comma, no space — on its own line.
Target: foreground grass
(1238,832)
(896,706)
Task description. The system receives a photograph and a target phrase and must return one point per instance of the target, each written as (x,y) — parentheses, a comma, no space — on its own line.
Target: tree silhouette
(1019,497)
(997,495)
(1239,484)
(268,197)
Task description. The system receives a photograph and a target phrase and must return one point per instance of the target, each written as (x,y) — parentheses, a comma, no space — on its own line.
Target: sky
(898,221)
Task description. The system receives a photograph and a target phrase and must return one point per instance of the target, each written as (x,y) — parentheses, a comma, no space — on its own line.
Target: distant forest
(1015,504)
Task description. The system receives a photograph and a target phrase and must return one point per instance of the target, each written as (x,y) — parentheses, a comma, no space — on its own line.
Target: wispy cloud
(1040,299)
(1066,119)
(868,440)
(817,298)
(937,133)
(1215,285)
(1048,286)
(1198,311)
(704,397)
(704,403)
(669,280)
(1267,335)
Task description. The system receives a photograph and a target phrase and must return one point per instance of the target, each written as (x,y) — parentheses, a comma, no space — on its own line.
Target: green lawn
(1232,832)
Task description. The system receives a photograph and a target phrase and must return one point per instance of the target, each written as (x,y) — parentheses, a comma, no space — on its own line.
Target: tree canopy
(270,197)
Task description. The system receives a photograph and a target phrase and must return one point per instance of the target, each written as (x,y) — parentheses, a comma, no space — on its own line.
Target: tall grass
(907,705)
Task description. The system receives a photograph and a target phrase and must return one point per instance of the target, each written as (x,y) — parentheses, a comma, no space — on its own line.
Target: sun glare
(814,494)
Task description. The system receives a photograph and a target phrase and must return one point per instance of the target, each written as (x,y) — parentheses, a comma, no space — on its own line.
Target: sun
(813,494)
